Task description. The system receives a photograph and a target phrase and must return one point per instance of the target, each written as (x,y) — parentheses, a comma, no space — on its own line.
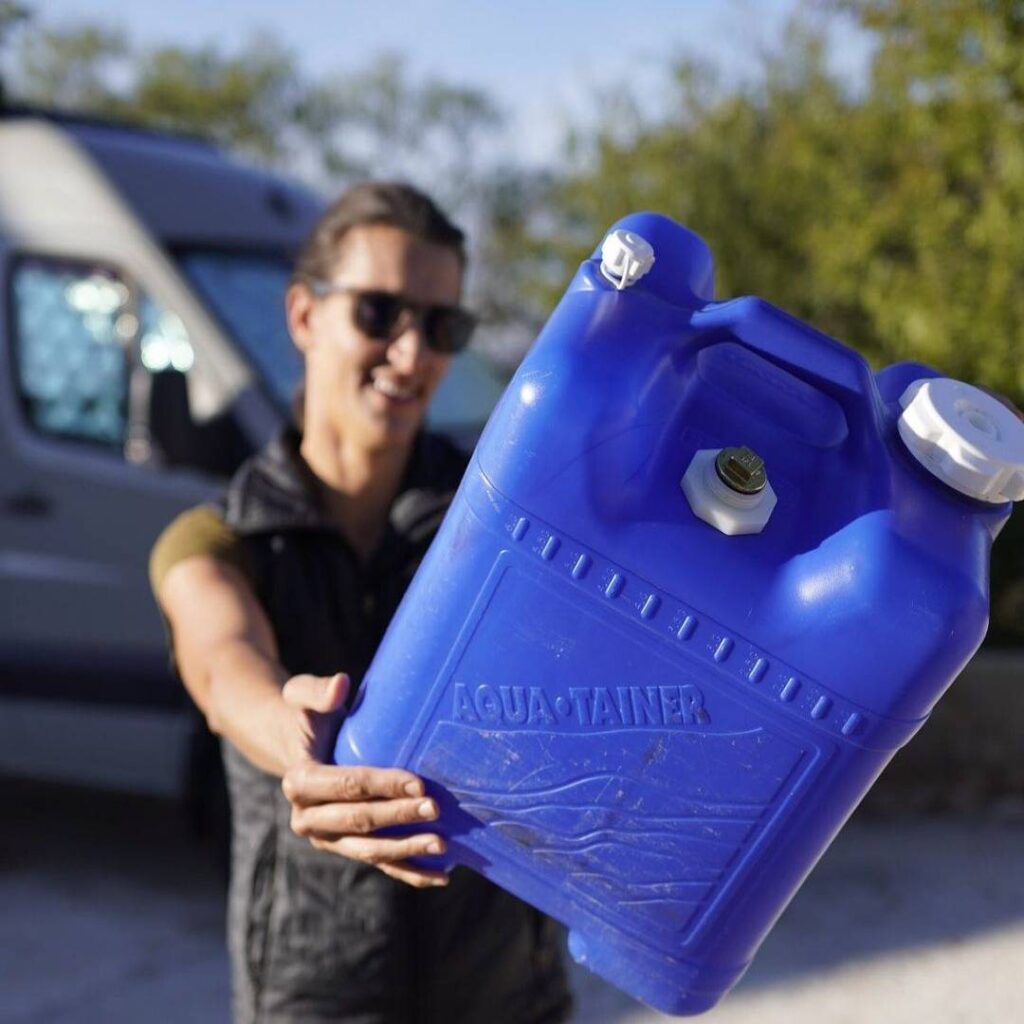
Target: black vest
(313,936)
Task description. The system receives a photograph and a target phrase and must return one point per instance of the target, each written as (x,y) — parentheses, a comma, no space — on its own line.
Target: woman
(295,575)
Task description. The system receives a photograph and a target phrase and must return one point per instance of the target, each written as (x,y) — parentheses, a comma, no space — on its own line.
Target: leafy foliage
(72,67)
(244,100)
(12,14)
(373,121)
(887,216)
(381,122)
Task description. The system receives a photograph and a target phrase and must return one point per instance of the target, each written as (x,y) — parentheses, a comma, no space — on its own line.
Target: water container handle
(814,357)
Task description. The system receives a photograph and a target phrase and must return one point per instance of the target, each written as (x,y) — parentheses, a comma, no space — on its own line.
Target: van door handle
(27,504)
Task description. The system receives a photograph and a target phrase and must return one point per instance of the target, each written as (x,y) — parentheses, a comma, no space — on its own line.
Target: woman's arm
(227,657)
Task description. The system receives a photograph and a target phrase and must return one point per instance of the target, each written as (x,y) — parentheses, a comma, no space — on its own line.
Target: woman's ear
(299,305)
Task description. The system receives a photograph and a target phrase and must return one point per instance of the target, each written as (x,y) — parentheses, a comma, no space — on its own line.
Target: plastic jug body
(647,727)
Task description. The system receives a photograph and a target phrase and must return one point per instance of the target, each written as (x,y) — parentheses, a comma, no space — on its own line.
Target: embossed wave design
(647,823)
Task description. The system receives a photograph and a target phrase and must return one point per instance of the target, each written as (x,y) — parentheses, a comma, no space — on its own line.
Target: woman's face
(368,391)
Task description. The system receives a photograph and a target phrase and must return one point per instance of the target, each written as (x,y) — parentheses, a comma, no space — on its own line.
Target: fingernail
(441,881)
(426,809)
(434,847)
(413,788)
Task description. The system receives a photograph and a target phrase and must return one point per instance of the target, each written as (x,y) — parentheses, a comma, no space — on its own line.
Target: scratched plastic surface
(642,726)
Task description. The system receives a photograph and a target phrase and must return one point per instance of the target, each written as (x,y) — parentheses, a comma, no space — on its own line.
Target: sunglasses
(384,316)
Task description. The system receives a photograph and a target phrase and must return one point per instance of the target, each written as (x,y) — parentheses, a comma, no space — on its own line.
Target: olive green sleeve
(199,531)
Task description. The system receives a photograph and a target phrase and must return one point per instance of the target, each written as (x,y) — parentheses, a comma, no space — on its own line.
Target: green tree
(247,100)
(941,259)
(395,115)
(12,16)
(886,215)
(254,98)
(69,67)
(751,169)
(380,121)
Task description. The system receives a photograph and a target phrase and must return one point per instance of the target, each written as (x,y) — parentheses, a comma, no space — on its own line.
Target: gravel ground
(113,914)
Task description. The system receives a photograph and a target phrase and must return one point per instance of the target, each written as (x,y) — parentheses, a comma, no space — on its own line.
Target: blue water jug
(704,575)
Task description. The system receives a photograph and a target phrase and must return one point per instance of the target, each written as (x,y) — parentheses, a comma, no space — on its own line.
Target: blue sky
(543,61)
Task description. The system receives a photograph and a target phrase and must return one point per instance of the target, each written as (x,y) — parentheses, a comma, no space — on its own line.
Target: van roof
(187,190)
(72,119)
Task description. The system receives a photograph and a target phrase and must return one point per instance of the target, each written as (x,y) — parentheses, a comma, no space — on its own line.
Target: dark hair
(374,202)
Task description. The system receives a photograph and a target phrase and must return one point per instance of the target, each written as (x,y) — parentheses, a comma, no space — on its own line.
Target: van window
(163,340)
(246,292)
(72,334)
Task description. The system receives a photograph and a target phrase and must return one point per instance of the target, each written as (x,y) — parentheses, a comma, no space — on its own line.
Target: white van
(143,354)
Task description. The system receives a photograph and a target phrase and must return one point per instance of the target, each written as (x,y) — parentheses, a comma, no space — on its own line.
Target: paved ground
(112,915)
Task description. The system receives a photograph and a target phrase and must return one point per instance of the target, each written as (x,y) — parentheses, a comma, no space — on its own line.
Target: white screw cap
(719,505)
(625,258)
(965,437)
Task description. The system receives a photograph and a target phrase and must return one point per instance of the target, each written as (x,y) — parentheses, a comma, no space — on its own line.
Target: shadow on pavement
(110,904)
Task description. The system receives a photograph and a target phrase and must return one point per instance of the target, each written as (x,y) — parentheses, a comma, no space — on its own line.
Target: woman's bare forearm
(244,704)
(227,657)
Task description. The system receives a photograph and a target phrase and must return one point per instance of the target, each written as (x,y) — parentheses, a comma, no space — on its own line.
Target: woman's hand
(338,808)
(315,706)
